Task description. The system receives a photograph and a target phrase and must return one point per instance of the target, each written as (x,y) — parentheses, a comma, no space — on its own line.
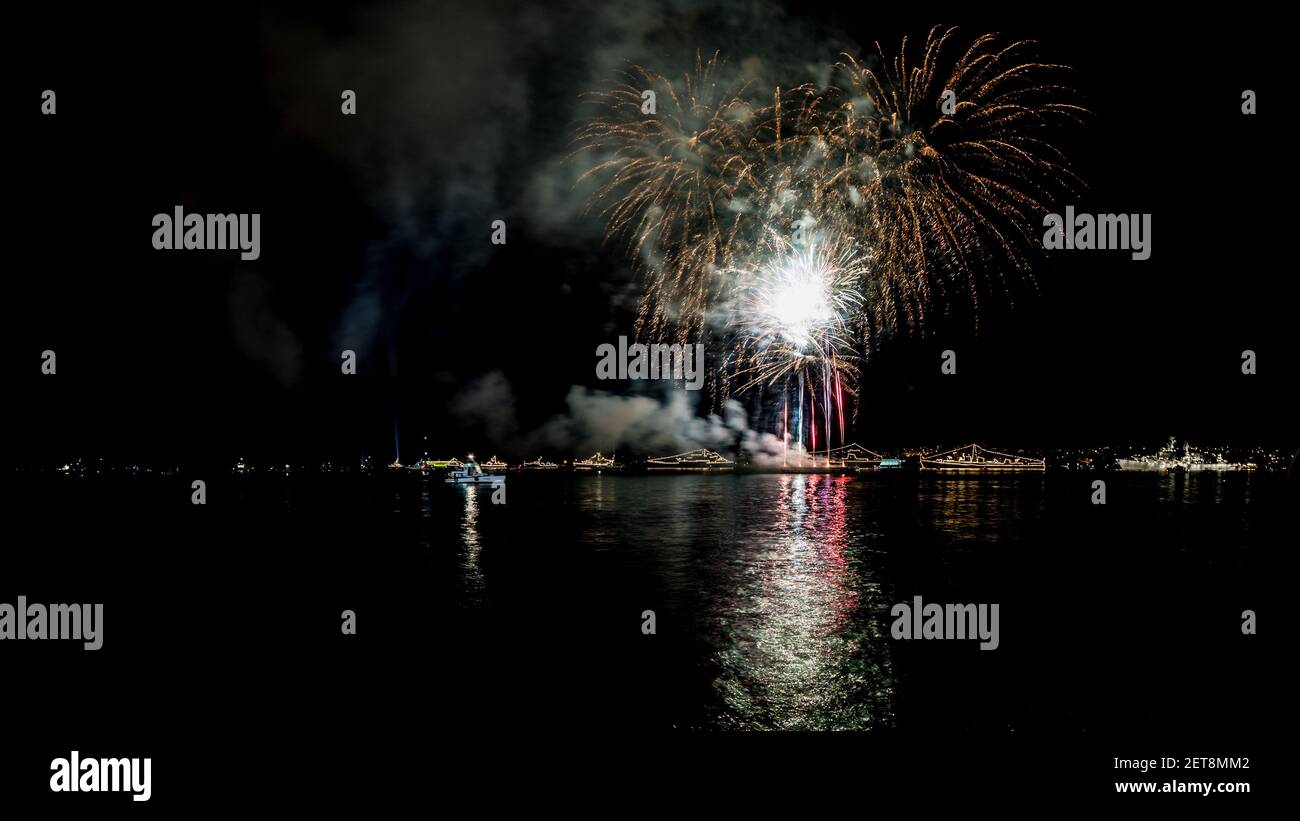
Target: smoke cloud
(470,112)
(594,420)
(260,333)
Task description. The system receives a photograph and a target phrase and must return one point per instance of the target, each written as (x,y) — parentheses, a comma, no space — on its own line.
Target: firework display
(793,309)
(849,436)
(794,228)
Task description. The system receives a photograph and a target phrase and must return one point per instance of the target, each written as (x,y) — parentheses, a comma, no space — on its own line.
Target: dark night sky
(374,228)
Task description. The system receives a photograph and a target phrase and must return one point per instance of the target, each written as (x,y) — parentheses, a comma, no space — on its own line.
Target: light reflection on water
(474,585)
(970,508)
(793,648)
(777,588)
(761,569)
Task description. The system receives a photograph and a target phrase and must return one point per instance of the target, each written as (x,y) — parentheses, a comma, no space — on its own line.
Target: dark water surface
(771,595)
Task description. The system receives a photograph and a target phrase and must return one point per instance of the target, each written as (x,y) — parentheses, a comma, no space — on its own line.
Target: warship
(854,456)
(1169,459)
(596,464)
(975,459)
(493,466)
(701,460)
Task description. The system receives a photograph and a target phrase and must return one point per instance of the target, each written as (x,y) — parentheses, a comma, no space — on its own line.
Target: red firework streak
(839,402)
(812,420)
(826,408)
(785,431)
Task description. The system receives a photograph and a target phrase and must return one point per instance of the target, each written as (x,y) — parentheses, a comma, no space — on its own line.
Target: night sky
(375,230)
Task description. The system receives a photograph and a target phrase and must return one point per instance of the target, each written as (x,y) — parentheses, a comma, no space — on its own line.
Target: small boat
(471,474)
(596,464)
(538,464)
(695,460)
(493,466)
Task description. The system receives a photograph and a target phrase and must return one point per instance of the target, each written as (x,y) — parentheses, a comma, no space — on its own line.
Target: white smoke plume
(637,425)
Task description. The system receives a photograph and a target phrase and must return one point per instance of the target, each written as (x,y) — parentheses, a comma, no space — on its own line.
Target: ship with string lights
(425,464)
(975,459)
(493,466)
(596,463)
(700,461)
(1170,459)
(854,456)
(539,464)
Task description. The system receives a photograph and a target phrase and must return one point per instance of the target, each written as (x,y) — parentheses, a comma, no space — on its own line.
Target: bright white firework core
(797,303)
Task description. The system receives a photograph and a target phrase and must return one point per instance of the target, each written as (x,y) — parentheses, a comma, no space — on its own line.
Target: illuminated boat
(975,459)
(470,473)
(1169,460)
(889,463)
(538,464)
(701,460)
(493,466)
(853,456)
(596,464)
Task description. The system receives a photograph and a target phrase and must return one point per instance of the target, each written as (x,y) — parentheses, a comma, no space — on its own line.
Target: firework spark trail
(826,410)
(839,404)
(793,309)
(812,421)
(906,207)
(798,421)
(942,194)
(785,431)
(666,183)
